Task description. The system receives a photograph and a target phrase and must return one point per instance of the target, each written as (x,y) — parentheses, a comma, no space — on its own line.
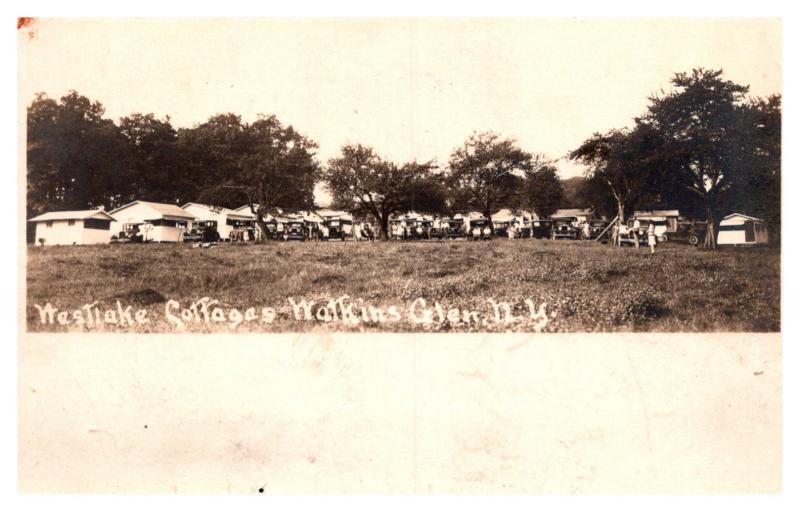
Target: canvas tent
(86,227)
(158,222)
(739,229)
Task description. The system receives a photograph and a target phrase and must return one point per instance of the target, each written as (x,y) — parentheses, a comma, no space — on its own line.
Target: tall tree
(212,154)
(360,180)
(153,161)
(756,186)
(272,166)
(75,157)
(622,161)
(698,122)
(488,167)
(542,190)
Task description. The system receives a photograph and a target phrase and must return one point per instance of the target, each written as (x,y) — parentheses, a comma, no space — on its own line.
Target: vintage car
(524,231)
(192,236)
(479,229)
(421,230)
(541,229)
(272,228)
(641,233)
(565,228)
(454,228)
(501,229)
(295,230)
(596,227)
(130,233)
(692,233)
(339,228)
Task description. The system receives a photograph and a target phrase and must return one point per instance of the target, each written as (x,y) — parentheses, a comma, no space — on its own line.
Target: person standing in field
(636,226)
(651,238)
(357,232)
(325,232)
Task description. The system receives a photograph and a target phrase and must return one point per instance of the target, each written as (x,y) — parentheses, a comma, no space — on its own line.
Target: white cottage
(224,220)
(88,227)
(155,221)
(739,229)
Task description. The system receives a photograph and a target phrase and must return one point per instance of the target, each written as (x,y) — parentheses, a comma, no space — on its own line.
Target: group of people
(634,232)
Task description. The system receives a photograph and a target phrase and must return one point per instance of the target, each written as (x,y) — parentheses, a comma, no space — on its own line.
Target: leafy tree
(702,153)
(279,170)
(622,161)
(360,180)
(75,157)
(756,186)
(542,190)
(212,155)
(153,161)
(487,167)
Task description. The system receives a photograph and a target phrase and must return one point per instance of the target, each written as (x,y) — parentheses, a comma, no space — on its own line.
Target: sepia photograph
(330,255)
(381,176)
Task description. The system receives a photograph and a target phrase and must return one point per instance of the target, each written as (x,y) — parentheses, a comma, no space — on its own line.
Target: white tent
(739,229)
(86,227)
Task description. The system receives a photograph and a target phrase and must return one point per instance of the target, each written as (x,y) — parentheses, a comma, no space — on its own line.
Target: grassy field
(552,286)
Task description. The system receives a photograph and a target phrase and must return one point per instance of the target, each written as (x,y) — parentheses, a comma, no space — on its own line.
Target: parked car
(295,230)
(479,229)
(455,227)
(501,229)
(596,227)
(541,229)
(339,228)
(192,236)
(565,228)
(687,232)
(130,233)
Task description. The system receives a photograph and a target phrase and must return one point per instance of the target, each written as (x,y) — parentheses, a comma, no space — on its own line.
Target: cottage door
(749,231)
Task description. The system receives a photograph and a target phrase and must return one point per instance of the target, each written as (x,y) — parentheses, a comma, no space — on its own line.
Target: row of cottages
(87,227)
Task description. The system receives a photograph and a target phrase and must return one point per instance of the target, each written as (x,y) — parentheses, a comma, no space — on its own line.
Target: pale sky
(411,88)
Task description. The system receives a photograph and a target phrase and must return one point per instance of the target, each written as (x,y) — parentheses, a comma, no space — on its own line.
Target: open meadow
(499,285)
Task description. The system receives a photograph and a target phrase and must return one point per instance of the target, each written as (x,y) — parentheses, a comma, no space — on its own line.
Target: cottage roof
(230,213)
(741,216)
(72,215)
(563,213)
(658,212)
(165,210)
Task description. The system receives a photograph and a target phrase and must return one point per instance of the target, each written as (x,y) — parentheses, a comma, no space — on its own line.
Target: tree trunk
(488,214)
(262,227)
(620,222)
(711,235)
(384,227)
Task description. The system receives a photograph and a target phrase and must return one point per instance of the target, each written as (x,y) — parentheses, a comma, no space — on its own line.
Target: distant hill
(572,186)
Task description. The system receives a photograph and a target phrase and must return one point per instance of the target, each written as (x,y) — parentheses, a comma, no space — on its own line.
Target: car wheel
(693,240)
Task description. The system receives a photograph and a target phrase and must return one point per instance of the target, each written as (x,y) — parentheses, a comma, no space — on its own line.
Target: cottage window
(97,223)
(71,222)
(49,223)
